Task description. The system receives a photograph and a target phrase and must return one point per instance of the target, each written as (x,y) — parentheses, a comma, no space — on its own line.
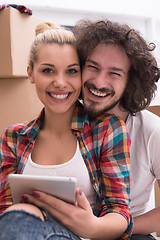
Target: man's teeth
(59,96)
(98,94)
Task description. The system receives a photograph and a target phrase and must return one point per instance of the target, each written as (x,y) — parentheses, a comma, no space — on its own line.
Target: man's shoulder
(145,116)
(145,121)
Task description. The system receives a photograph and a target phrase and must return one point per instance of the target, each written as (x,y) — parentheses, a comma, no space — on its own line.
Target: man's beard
(92,109)
(93,113)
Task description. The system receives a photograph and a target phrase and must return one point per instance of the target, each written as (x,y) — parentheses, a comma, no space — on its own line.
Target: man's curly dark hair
(143,73)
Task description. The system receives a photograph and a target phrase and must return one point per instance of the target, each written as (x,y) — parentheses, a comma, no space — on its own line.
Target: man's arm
(148,222)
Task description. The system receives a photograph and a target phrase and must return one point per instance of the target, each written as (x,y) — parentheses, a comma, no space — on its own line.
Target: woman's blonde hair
(49,33)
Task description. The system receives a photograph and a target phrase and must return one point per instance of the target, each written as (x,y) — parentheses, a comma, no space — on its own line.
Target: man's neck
(117,111)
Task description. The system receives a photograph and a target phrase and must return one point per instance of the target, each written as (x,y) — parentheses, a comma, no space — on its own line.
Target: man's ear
(30,75)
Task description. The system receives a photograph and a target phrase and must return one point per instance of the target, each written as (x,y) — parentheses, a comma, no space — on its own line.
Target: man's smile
(98,93)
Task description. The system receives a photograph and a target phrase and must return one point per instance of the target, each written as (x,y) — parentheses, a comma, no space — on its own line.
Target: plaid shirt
(104,148)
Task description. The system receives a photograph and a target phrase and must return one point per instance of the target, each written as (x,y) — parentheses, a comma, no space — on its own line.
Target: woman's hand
(78,218)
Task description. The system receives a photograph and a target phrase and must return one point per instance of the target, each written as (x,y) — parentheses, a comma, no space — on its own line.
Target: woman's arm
(79,218)
(8,165)
(114,167)
(114,187)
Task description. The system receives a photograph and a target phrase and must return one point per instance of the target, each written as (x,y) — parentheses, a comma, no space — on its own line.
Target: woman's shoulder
(16,127)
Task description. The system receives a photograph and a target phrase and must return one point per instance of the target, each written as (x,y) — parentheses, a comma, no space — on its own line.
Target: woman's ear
(30,75)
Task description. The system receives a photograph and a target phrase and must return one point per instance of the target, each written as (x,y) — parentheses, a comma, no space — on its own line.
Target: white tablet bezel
(60,187)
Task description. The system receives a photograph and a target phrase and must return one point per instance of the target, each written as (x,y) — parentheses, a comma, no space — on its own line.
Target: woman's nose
(60,81)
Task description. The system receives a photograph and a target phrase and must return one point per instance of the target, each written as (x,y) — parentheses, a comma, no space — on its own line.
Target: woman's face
(57,77)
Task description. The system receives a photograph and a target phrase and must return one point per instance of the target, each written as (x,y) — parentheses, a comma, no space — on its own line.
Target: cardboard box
(19,101)
(154,109)
(17,33)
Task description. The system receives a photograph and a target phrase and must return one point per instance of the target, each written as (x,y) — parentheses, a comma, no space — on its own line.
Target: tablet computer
(60,187)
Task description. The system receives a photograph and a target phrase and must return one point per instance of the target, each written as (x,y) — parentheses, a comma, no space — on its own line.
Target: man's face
(104,78)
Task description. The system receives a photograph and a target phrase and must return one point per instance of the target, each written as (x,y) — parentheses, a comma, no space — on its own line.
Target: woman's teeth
(59,96)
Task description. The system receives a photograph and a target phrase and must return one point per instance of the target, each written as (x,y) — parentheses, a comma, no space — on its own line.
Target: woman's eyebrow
(74,64)
(52,65)
(47,64)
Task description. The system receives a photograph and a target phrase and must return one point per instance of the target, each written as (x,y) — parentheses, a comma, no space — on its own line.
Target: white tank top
(75,167)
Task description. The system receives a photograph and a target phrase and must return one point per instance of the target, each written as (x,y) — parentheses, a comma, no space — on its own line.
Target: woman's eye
(72,71)
(47,70)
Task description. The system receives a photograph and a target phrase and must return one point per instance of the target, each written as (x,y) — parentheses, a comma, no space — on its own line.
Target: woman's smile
(59,96)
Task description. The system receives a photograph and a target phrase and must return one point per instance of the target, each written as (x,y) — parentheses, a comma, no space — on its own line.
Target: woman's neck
(59,123)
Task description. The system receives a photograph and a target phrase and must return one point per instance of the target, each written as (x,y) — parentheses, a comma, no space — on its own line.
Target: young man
(119,75)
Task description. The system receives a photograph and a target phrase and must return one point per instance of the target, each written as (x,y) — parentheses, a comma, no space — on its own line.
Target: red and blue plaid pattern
(105,149)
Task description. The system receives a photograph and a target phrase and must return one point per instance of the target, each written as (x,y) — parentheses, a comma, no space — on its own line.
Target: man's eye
(47,70)
(91,67)
(72,71)
(115,73)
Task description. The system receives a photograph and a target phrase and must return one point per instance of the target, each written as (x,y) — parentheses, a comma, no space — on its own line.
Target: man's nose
(102,81)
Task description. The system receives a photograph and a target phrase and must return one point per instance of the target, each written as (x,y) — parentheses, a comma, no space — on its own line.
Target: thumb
(82,200)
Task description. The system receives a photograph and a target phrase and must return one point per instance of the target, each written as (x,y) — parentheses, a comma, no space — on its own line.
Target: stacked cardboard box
(18,99)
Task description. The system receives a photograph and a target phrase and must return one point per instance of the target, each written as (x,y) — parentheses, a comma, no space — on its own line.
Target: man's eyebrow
(112,68)
(93,62)
(118,70)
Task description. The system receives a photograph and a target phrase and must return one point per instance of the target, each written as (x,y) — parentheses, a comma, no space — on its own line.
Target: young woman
(63,141)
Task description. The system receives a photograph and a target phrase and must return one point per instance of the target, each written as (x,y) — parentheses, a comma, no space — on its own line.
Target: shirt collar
(32,128)
(79,118)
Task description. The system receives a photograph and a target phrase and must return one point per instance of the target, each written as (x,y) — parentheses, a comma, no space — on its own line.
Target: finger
(56,212)
(28,198)
(51,203)
(82,200)
(54,202)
